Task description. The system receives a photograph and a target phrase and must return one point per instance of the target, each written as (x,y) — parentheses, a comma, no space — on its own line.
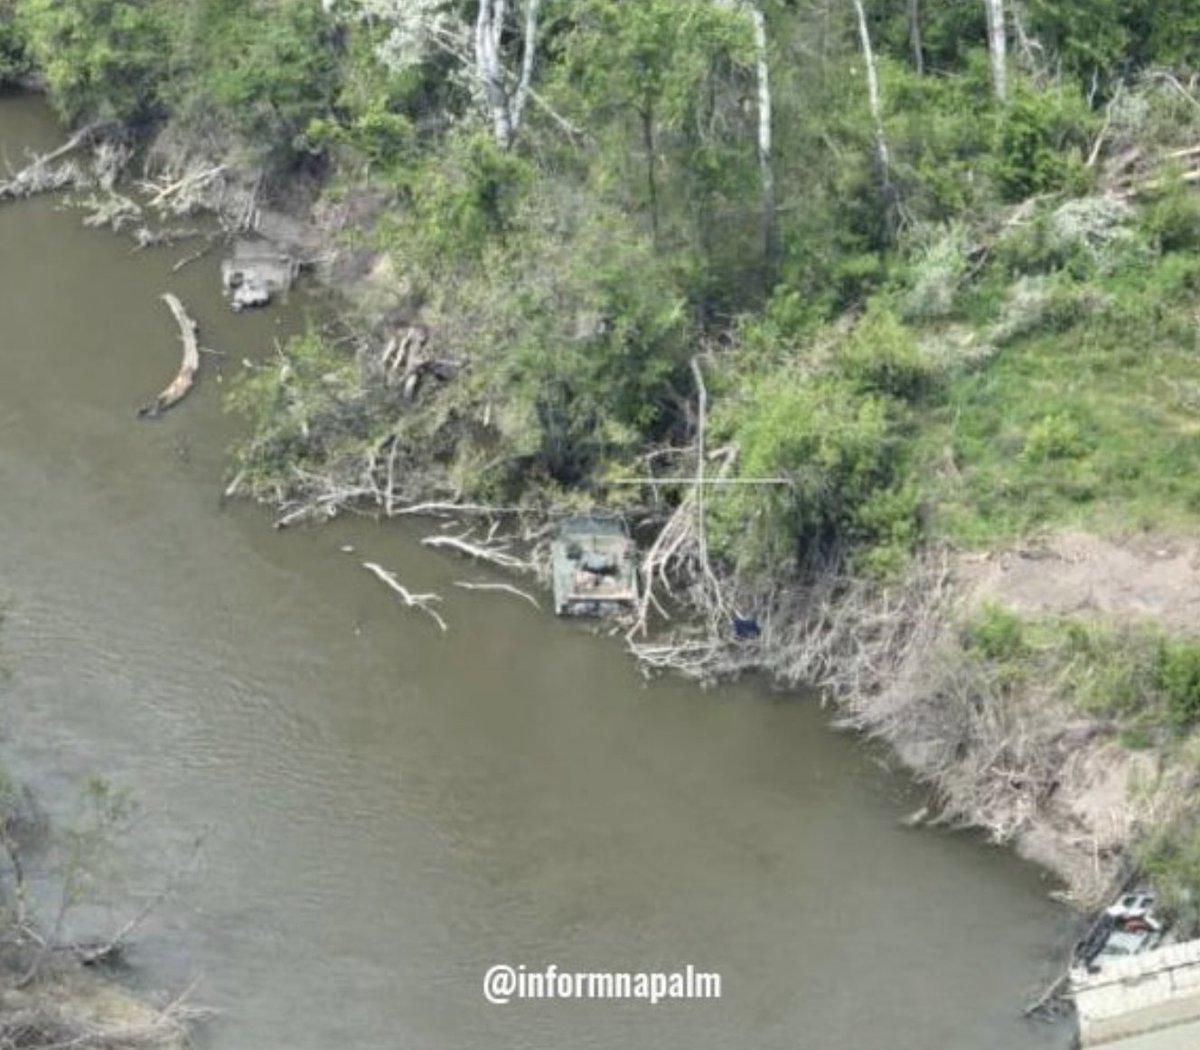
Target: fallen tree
(178,388)
(44,173)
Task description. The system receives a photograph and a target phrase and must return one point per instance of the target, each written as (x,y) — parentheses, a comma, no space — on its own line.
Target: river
(391,809)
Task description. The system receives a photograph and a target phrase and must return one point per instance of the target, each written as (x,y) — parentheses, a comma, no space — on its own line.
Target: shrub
(882,356)
(268,69)
(1177,674)
(104,58)
(997,634)
(14,62)
(840,448)
(1173,220)
(936,275)
(1040,142)
(1055,436)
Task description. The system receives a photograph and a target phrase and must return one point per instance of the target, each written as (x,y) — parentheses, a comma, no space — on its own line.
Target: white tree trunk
(873,100)
(766,170)
(529,53)
(997,47)
(489,26)
(505,108)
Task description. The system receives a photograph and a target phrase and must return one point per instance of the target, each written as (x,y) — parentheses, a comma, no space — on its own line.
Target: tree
(418,29)
(997,47)
(914,35)
(506,107)
(99,58)
(762,69)
(882,159)
(661,62)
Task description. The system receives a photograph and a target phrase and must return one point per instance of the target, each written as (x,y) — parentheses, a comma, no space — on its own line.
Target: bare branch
(414,601)
(508,588)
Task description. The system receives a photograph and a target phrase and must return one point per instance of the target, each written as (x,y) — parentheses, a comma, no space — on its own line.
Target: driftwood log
(182,383)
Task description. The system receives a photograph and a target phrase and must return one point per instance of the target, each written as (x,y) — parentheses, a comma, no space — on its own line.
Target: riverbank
(970,323)
(392,802)
(70,1006)
(1063,779)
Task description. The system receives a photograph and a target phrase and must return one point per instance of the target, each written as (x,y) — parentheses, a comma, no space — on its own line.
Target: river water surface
(392,810)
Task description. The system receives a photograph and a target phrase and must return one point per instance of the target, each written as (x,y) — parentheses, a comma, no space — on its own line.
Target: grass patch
(1094,425)
(1143,681)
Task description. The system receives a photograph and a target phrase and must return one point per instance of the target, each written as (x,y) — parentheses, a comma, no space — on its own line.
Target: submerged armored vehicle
(594,564)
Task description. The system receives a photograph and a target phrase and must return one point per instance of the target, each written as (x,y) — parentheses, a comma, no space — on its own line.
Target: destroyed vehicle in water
(594,565)
(1127,927)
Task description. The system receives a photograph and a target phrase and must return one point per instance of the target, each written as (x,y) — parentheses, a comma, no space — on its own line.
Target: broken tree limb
(42,176)
(507,588)
(413,601)
(182,383)
(432,509)
(91,954)
(493,554)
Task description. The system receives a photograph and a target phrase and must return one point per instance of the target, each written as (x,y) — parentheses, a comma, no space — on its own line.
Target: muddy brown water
(392,810)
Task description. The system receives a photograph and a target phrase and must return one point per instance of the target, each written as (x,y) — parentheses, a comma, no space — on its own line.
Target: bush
(882,356)
(935,276)
(839,447)
(14,62)
(269,69)
(1040,143)
(1054,437)
(997,634)
(102,58)
(1177,674)
(1173,220)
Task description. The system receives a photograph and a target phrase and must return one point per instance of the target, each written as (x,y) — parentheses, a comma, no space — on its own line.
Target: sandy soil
(1143,578)
(1105,793)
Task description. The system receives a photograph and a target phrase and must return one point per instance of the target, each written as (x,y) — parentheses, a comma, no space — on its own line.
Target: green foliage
(14,62)
(1041,141)
(268,67)
(1102,38)
(997,633)
(1054,437)
(461,202)
(99,58)
(1146,682)
(302,409)
(838,447)
(1170,857)
(882,356)
(1086,417)
(578,338)
(1177,674)
(1172,220)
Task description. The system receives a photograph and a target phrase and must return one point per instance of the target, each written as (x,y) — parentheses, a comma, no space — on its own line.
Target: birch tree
(997,47)
(882,158)
(417,28)
(505,107)
(766,171)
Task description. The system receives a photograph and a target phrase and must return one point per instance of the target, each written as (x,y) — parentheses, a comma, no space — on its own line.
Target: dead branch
(1048,994)
(449,507)
(44,175)
(116,942)
(413,601)
(492,553)
(195,256)
(507,588)
(182,383)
